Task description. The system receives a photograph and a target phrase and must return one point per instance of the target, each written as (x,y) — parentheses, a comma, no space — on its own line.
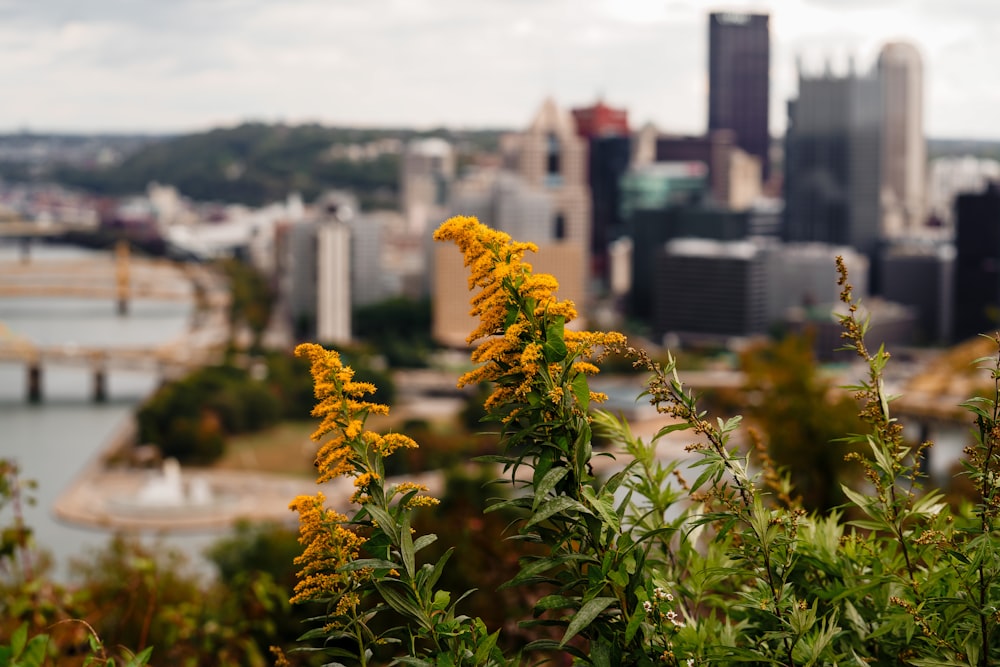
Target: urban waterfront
(54,441)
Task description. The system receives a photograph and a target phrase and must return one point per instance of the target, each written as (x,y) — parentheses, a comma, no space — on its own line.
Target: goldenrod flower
(328,546)
(515,308)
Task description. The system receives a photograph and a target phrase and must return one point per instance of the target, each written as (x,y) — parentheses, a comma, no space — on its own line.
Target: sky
(188,65)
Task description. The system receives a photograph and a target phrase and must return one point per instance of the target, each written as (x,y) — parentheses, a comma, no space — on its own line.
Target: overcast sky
(180,65)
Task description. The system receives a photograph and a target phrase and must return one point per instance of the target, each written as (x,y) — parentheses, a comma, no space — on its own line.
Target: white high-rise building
(333,282)
(904,168)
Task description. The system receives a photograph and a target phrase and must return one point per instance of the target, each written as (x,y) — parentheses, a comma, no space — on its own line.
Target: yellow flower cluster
(514,305)
(341,399)
(353,451)
(418,499)
(328,546)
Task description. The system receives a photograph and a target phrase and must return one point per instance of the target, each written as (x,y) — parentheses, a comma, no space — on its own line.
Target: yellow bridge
(119,281)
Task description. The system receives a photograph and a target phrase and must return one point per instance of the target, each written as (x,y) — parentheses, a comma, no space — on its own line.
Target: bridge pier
(122,273)
(100,385)
(34,382)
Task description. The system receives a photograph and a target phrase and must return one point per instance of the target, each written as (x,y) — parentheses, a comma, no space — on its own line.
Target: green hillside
(256,163)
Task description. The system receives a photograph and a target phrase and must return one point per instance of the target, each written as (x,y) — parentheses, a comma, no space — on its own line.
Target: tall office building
(739,56)
(550,156)
(724,293)
(904,147)
(920,274)
(833,158)
(610,147)
(977,264)
(333,281)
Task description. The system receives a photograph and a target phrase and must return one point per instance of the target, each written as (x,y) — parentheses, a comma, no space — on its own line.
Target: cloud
(183,63)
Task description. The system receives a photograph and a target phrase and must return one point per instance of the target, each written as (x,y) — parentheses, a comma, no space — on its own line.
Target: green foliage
(34,652)
(252,298)
(642,566)
(802,418)
(256,163)
(189,418)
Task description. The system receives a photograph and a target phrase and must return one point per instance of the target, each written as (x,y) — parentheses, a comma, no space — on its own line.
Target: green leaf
(671,428)
(548,483)
(553,602)
(581,389)
(550,645)
(34,652)
(434,573)
(512,502)
(406,549)
(588,612)
(554,348)
(401,601)
(534,569)
(385,521)
(633,626)
(485,648)
(556,506)
(141,658)
(423,541)
(18,640)
(604,505)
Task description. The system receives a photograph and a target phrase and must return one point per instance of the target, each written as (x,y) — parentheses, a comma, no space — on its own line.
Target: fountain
(170,494)
(166,490)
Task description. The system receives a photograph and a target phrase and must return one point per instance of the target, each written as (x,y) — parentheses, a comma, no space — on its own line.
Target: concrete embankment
(192,499)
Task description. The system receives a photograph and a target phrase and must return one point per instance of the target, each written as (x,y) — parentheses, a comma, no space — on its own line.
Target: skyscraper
(904,148)
(977,265)
(833,157)
(607,133)
(739,56)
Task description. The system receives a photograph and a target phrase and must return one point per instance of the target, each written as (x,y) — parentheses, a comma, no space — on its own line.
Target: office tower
(426,170)
(317,260)
(371,280)
(904,147)
(551,157)
(739,56)
(921,275)
(607,133)
(333,281)
(833,158)
(708,287)
(977,264)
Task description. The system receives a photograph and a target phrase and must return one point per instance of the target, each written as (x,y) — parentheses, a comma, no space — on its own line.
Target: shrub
(644,567)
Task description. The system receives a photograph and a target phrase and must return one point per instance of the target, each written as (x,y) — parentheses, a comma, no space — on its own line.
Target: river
(53,441)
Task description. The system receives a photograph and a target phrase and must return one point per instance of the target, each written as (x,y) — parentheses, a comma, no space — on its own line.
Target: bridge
(120,281)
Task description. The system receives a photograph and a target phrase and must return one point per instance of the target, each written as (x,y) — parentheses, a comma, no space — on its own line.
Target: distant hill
(256,163)
(959,147)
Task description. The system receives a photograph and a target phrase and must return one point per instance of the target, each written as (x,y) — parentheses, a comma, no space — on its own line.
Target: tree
(802,418)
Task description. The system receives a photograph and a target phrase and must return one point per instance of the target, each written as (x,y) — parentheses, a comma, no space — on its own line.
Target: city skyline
(115,65)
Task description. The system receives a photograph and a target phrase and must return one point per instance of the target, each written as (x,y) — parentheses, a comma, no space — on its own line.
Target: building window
(559,227)
(553,167)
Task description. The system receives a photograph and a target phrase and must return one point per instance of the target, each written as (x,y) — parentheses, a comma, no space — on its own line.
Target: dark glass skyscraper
(977,267)
(739,56)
